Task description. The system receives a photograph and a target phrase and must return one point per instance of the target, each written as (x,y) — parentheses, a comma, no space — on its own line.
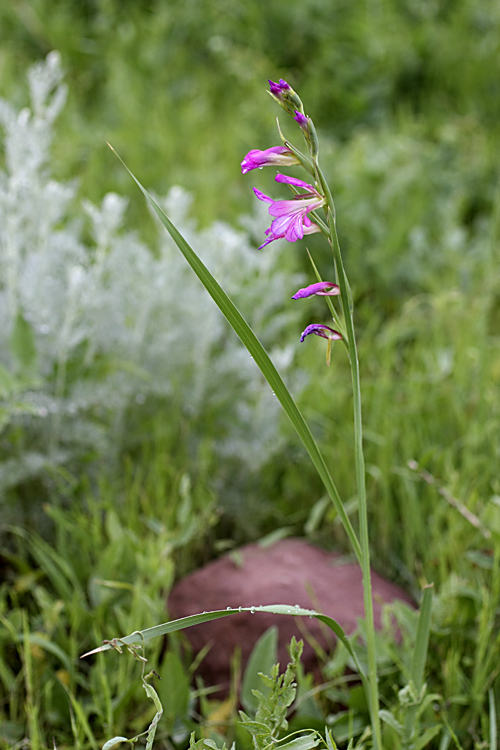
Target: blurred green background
(178,87)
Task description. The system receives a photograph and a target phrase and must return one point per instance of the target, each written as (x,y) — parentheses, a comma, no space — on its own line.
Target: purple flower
(277,89)
(301,119)
(321,330)
(292,221)
(279,155)
(330,334)
(285,96)
(322,289)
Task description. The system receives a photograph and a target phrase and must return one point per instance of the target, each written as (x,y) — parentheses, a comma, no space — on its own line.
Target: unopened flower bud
(309,131)
(283,93)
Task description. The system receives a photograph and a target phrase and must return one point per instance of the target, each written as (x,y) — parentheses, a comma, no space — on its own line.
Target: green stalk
(346,300)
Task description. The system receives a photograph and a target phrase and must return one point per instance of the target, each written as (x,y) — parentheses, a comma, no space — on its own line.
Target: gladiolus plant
(309,209)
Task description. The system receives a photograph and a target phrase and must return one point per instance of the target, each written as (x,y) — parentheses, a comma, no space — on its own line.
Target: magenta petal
(288,226)
(301,119)
(287,208)
(278,88)
(321,330)
(322,288)
(269,239)
(257,159)
(295,229)
(288,180)
(263,197)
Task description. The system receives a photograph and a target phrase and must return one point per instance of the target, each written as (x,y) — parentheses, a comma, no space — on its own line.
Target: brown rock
(291,572)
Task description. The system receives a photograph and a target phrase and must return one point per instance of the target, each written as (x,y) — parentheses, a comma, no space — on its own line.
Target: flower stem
(346,300)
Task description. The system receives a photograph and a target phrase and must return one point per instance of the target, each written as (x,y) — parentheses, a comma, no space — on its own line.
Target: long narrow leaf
(419,659)
(493,721)
(262,360)
(140,636)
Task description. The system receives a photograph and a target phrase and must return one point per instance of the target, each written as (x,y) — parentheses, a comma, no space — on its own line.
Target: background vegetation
(406,99)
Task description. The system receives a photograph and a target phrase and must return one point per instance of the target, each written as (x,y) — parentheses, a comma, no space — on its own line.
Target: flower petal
(256,159)
(299,205)
(319,329)
(263,197)
(321,288)
(278,88)
(301,119)
(288,180)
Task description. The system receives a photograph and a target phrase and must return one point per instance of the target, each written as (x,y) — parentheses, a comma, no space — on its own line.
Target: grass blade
(493,721)
(422,640)
(140,636)
(261,358)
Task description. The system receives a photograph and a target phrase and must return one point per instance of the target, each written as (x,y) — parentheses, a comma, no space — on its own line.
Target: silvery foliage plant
(93,330)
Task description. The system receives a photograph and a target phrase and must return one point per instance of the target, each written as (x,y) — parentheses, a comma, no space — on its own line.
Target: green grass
(405,96)
(109,568)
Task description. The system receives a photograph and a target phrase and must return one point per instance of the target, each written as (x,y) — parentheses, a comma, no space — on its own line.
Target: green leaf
(261,358)
(151,693)
(8,383)
(255,727)
(185,622)
(391,721)
(262,658)
(52,648)
(173,689)
(113,742)
(22,344)
(422,640)
(427,736)
(330,742)
(306,742)
(82,719)
(493,720)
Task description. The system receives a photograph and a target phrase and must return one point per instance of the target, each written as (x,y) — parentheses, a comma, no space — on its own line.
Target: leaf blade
(261,358)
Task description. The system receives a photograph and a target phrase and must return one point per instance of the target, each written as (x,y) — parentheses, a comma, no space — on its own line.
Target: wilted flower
(292,221)
(319,329)
(278,155)
(321,288)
